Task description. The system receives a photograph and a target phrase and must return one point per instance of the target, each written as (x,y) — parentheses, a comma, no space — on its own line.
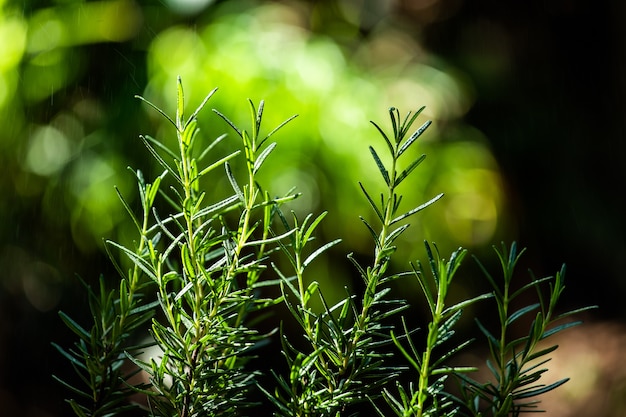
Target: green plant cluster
(195,283)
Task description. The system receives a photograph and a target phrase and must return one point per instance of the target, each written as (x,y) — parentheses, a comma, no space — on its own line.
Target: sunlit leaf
(128,209)
(270,240)
(218,163)
(180,105)
(231,124)
(160,160)
(136,259)
(157,109)
(319,251)
(200,107)
(277,128)
(233,182)
(413,137)
(261,158)
(416,209)
(395,234)
(309,231)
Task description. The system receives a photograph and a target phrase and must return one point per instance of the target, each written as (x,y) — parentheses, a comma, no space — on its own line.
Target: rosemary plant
(204,335)
(204,272)
(344,363)
(428,397)
(517,364)
(118,315)
(197,274)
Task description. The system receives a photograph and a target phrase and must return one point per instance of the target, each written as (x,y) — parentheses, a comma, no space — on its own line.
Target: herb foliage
(193,286)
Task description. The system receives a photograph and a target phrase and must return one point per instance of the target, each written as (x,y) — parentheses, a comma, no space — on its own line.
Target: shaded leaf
(380,166)
(75,327)
(369,199)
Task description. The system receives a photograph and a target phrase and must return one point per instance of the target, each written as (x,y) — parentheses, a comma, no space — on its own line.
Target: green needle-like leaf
(318,252)
(136,259)
(158,145)
(75,327)
(180,105)
(218,163)
(405,173)
(372,204)
(487,333)
(261,158)
(194,115)
(416,209)
(231,124)
(521,312)
(372,232)
(307,234)
(158,110)
(161,161)
(414,136)
(233,182)
(384,135)
(380,165)
(128,209)
(391,237)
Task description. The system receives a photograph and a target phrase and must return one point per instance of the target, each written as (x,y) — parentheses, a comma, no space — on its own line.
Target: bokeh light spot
(304,183)
(46,32)
(47,73)
(93,198)
(188,6)
(48,152)
(41,286)
(472,217)
(117,21)
(13,35)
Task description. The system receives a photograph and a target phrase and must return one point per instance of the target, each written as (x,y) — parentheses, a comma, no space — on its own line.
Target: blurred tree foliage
(69,127)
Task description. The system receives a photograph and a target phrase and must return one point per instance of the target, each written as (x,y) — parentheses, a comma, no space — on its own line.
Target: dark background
(548,83)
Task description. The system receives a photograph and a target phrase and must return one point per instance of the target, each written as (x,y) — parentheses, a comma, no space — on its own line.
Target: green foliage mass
(196,282)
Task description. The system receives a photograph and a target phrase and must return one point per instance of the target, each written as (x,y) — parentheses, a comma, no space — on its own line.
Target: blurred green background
(527,143)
